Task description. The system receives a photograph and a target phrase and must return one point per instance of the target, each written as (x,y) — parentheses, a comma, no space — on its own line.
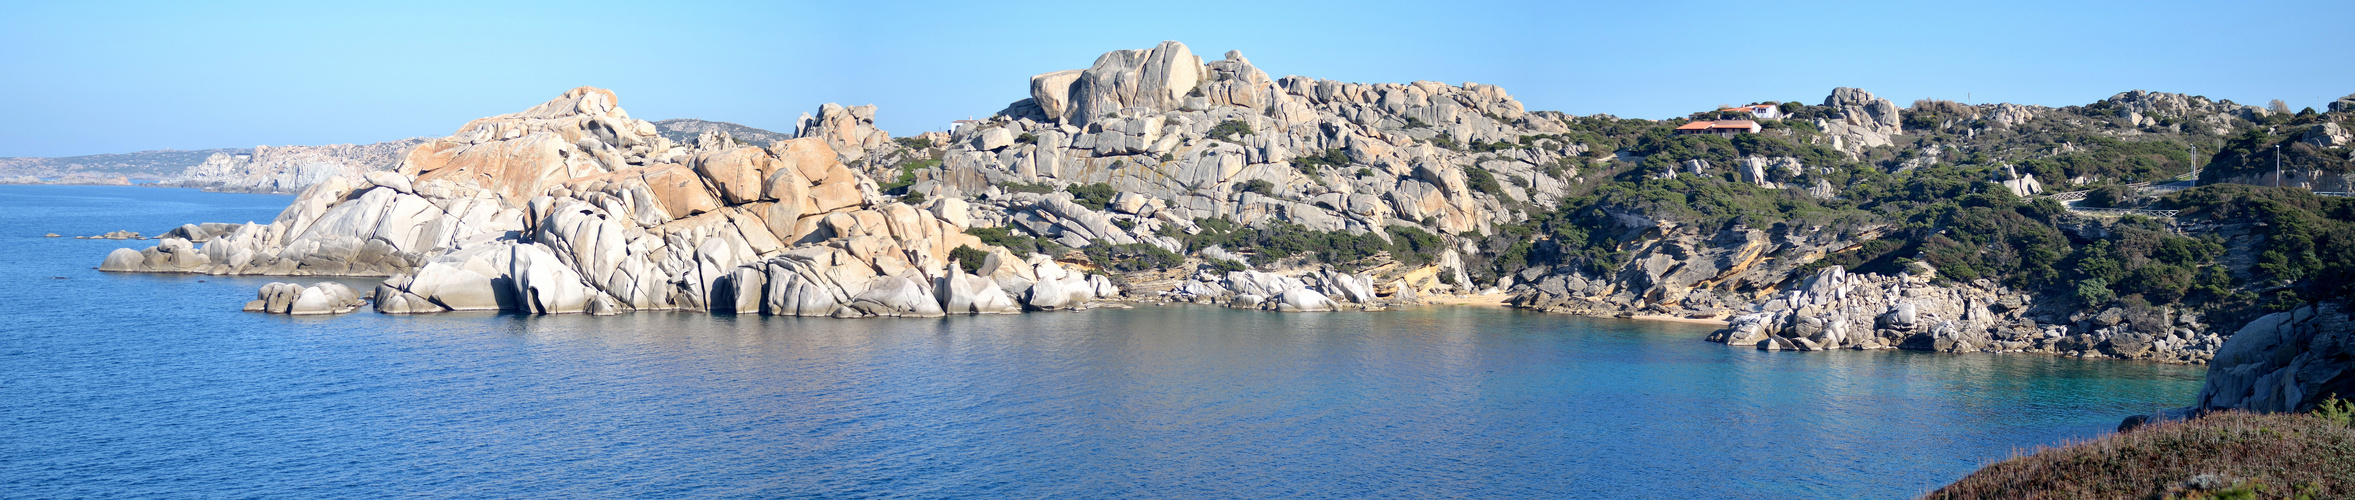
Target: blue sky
(103,77)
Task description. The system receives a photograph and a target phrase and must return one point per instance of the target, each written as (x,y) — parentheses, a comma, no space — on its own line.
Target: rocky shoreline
(1118,182)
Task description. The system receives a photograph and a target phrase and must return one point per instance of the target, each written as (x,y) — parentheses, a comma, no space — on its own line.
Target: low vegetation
(1228,130)
(2221,455)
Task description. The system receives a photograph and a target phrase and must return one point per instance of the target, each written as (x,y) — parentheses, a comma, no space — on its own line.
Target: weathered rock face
(1156,79)
(2327,135)
(1836,310)
(290,169)
(572,207)
(2009,115)
(1312,290)
(849,131)
(1863,121)
(1149,124)
(2285,361)
(1685,271)
(2143,108)
(521,155)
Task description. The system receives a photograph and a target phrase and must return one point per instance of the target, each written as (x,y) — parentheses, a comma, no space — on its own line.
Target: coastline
(1496,300)
(1680,319)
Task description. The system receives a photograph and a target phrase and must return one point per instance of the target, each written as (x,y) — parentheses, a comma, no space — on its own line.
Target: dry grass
(2222,455)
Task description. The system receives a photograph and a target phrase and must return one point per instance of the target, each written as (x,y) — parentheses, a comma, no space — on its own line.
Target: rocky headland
(1154,175)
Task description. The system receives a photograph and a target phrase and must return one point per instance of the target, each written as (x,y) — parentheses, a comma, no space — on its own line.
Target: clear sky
(105,77)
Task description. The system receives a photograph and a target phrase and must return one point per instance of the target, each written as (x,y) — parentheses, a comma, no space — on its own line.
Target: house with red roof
(1759,111)
(1721,128)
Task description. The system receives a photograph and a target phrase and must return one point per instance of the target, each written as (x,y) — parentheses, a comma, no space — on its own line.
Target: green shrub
(1479,179)
(2094,292)
(914,142)
(1023,246)
(1094,196)
(907,175)
(1445,141)
(1024,187)
(968,257)
(1261,186)
(1133,257)
(2110,196)
(1227,130)
(1336,158)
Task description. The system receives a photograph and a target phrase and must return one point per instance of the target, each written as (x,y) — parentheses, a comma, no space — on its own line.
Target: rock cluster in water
(325,297)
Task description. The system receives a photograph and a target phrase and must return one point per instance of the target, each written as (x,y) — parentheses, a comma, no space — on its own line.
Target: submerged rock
(325,297)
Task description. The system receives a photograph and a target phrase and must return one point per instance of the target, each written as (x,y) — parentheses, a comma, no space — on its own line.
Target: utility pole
(2195,165)
(2277,165)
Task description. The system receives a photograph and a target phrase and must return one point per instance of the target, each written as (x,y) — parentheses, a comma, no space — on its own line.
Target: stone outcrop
(1149,124)
(290,169)
(2011,115)
(1683,271)
(573,207)
(2020,184)
(1836,310)
(2327,135)
(324,297)
(1860,120)
(850,131)
(2283,362)
(2144,109)
(1309,290)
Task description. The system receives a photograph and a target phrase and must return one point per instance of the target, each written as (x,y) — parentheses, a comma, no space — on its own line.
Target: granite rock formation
(1862,120)
(2285,361)
(573,207)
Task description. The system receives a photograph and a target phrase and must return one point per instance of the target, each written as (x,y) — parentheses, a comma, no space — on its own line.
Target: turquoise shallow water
(156,386)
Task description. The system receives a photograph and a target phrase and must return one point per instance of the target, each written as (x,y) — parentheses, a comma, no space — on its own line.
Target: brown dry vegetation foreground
(2222,455)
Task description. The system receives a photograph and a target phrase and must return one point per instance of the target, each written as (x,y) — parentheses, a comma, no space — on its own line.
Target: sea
(158,386)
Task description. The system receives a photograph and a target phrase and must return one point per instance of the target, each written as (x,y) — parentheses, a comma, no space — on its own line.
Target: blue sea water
(129,386)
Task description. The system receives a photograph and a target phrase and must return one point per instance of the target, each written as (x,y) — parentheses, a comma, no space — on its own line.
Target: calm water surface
(156,386)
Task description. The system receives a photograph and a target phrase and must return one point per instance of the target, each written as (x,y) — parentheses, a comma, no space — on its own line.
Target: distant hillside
(288,169)
(269,169)
(143,165)
(684,130)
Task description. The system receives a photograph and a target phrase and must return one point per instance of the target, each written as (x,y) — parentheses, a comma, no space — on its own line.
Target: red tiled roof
(1696,125)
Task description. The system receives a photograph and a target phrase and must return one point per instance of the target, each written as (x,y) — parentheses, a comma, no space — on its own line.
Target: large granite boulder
(898,297)
(1860,120)
(2283,362)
